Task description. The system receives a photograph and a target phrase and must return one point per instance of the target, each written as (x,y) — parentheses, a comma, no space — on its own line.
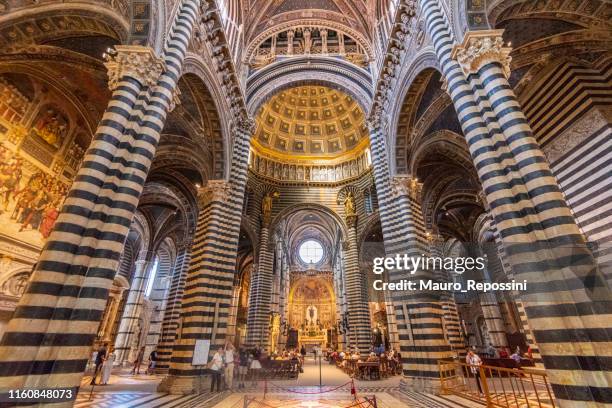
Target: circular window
(311,251)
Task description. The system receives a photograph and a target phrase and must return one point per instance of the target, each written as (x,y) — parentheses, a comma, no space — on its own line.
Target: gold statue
(349,204)
(266,204)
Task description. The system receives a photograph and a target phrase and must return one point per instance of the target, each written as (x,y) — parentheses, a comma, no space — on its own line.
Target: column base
(420,384)
(173,384)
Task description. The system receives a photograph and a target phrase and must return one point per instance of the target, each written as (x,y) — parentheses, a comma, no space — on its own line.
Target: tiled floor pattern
(390,398)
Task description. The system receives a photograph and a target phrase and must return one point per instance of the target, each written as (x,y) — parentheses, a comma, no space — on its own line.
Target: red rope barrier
(311,393)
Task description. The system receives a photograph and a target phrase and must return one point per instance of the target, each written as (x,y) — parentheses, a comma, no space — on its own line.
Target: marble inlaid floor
(127,391)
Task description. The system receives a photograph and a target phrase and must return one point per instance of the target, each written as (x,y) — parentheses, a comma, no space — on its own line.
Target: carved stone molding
(396,50)
(215,190)
(406,185)
(210,39)
(176,99)
(480,48)
(136,61)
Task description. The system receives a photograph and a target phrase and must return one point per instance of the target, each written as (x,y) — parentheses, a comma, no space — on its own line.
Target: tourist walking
(107,368)
(216,367)
(100,357)
(474,361)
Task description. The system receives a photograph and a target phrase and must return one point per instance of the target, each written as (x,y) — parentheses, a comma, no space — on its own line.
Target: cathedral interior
(213,173)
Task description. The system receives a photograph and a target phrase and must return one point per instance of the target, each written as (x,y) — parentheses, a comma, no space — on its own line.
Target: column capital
(215,190)
(434,238)
(136,61)
(480,48)
(245,125)
(406,185)
(377,120)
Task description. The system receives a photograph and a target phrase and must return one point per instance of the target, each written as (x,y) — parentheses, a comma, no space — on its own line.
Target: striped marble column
(418,314)
(49,338)
(208,289)
(567,298)
(283,303)
(360,327)
(260,294)
(452,323)
(173,307)
(491,312)
(48,341)
(125,349)
(343,343)
(496,250)
(159,297)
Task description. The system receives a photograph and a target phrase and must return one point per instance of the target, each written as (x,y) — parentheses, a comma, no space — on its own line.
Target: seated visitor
(372,358)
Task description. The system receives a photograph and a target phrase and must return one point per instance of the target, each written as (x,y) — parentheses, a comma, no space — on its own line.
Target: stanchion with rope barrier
(371,403)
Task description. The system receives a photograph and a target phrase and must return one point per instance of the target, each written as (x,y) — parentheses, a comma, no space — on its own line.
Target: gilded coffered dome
(310,122)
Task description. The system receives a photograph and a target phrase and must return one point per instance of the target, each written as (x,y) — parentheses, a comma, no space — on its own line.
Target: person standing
(152,362)
(138,361)
(100,357)
(255,367)
(229,365)
(243,367)
(474,362)
(216,367)
(107,368)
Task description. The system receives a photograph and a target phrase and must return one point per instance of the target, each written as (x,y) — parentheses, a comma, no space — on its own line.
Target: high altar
(312,309)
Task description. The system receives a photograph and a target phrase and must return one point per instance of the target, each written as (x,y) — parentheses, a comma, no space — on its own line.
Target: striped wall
(535,224)
(569,108)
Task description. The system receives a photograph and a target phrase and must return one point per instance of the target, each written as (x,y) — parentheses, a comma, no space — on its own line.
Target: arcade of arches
(229,170)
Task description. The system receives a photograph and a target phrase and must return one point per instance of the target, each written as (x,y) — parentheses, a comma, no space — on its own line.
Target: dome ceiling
(310,122)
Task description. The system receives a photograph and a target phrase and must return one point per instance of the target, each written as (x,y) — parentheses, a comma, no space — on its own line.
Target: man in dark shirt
(100,357)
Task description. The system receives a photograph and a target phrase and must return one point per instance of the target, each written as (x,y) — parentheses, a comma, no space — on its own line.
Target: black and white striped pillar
(48,341)
(207,299)
(125,350)
(355,292)
(566,291)
(172,314)
(418,314)
(260,294)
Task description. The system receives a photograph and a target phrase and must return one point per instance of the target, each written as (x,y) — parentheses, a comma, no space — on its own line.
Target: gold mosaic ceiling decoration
(310,122)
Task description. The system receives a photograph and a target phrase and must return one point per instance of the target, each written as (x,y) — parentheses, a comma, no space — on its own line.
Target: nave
(203,187)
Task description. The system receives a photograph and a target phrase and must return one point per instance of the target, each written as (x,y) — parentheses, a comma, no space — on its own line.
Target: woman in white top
(474,361)
(107,367)
(216,367)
